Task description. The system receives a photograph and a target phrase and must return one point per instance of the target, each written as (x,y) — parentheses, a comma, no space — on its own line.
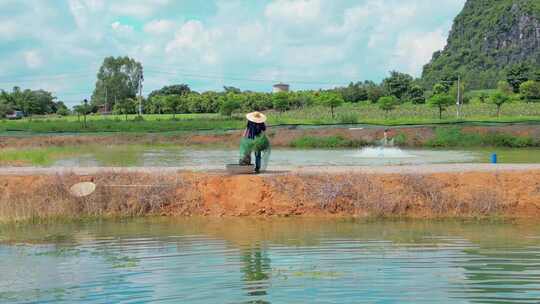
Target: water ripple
(187,263)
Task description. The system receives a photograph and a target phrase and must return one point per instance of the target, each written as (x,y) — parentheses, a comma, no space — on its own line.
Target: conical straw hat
(82,189)
(256,117)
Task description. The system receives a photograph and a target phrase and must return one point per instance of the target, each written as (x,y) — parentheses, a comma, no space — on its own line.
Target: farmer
(254,140)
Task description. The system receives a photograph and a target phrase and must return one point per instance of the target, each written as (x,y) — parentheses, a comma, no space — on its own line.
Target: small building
(280,87)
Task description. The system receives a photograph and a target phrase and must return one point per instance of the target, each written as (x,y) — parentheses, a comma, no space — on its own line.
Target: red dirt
(467,194)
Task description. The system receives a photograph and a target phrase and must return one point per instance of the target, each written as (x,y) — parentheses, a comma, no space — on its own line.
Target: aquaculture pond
(270,261)
(215,158)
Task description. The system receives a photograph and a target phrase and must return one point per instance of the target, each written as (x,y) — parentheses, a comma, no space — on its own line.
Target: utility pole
(140,93)
(458,101)
(106,100)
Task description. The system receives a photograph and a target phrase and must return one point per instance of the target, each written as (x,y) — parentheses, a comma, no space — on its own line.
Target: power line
(206,76)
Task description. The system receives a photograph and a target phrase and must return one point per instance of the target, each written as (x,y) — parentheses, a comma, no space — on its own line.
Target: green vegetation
(441,102)
(116,155)
(498,99)
(31,102)
(118,79)
(455,137)
(387,103)
(326,142)
(530,90)
(489,41)
(368,113)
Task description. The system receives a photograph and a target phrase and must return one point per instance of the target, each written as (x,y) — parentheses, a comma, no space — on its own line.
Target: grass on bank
(405,114)
(455,137)
(111,155)
(326,142)
(444,137)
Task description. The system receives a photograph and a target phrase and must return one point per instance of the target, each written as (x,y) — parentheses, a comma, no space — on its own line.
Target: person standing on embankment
(254,140)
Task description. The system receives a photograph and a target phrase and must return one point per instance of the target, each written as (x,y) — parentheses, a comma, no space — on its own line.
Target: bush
(228,106)
(387,103)
(400,139)
(530,91)
(455,137)
(63,112)
(348,118)
(329,142)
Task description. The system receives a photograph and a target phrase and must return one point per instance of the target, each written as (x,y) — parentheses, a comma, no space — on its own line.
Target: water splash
(383,152)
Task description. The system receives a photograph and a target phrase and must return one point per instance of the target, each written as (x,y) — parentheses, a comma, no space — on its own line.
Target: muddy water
(270,261)
(216,158)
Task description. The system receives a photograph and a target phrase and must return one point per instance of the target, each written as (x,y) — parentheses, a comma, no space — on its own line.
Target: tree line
(119,81)
(31,102)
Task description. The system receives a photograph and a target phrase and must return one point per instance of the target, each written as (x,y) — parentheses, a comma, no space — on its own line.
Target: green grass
(327,142)
(38,156)
(114,155)
(455,137)
(406,114)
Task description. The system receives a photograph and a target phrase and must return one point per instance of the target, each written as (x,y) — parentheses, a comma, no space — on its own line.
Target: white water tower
(280,87)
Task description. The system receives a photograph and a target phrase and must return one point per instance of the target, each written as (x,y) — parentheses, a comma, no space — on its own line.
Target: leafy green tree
(498,99)
(416,94)
(530,90)
(175,104)
(231,90)
(441,101)
(516,75)
(118,78)
(504,87)
(536,75)
(83,109)
(175,89)
(229,104)
(354,92)
(63,112)
(256,101)
(5,109)
(398,84)
(374,91)
(280,101)
(211,101)
(331,100)
(387,103)
(440,88)
(125,106)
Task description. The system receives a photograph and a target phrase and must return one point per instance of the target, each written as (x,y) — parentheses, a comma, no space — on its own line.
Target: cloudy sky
(59,45)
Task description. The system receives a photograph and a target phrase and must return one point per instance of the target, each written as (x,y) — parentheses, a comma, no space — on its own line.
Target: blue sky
(59,45)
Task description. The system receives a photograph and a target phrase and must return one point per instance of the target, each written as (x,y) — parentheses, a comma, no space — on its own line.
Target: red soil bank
(465,194)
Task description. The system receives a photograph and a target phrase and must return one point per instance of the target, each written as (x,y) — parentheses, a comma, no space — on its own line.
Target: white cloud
(159,27)
(303,40)
(413,50)
(121,29)
(82,10)
(193,38)
(294,11)
(193,35)
(33,59)
(140,8)
(8,29)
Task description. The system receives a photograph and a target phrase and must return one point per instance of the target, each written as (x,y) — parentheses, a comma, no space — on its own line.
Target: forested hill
(487,38)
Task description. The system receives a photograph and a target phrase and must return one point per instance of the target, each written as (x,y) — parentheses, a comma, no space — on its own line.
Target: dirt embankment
(281,137)
(465,194)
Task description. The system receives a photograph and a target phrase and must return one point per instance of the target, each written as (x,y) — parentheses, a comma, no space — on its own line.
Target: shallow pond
(270,261)
(216,158)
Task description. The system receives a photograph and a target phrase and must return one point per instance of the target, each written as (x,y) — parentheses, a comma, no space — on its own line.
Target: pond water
(216,158)
(270,261)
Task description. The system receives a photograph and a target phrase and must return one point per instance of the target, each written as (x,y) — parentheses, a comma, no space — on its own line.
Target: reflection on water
(216,158)
(270,261)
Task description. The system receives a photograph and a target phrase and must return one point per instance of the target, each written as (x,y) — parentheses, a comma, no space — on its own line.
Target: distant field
(346,114)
